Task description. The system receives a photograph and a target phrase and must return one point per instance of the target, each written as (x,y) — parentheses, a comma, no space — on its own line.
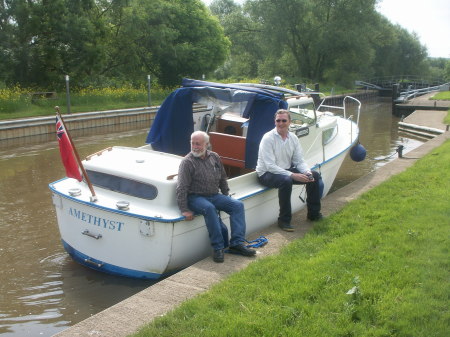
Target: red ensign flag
(66,150)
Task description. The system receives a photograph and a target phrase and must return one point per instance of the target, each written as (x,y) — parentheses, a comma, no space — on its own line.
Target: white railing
(343,107)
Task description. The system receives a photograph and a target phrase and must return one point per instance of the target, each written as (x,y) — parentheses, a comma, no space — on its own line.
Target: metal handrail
(342,107)
(407,95)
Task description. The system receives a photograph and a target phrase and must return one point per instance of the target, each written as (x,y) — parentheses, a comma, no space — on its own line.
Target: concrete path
(131,314)
(428,118)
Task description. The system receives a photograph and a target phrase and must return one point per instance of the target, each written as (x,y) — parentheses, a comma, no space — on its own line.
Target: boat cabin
(236,117)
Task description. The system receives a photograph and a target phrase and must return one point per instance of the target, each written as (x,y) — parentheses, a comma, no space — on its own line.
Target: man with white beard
(200,177)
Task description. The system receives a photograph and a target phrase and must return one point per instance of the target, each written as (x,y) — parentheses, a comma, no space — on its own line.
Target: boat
(133,227)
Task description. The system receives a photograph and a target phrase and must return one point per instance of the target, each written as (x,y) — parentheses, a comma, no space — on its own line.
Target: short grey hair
(202,133)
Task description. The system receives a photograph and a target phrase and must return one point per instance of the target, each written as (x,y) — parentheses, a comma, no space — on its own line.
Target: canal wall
(130,315)
(16,128)
(360,95)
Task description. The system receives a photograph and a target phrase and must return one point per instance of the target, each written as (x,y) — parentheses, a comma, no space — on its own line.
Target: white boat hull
(148,247)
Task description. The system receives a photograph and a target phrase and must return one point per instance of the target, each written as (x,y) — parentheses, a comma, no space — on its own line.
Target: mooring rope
(259,242)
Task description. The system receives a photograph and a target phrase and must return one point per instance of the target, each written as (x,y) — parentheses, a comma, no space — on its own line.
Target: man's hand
(303,178)
(188,215)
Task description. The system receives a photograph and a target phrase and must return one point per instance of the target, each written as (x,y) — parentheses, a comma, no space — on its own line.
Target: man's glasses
(281,120)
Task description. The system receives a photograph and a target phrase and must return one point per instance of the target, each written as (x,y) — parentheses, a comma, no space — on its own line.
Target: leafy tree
(71,40)
(49,39)
(315,40)
(397,52)
(177,38)
(319,35)
(437,68)
(447,71)
(247,47)
(96,40)
(14,44)
(115,41)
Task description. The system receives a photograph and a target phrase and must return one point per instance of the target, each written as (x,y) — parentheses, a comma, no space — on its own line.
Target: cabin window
(329,134)
(123,185)
(302,114)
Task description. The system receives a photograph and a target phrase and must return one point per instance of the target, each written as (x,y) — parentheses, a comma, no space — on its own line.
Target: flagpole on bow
(93,198)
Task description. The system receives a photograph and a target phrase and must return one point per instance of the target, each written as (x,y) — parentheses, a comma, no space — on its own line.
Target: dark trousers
(284,184)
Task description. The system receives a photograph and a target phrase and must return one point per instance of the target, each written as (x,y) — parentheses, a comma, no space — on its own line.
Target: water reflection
(43,290)
(380,136)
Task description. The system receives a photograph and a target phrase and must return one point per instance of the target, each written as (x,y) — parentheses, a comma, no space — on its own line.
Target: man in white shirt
(281,164)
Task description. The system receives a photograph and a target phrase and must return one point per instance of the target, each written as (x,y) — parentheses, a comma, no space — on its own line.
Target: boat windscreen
(221,100)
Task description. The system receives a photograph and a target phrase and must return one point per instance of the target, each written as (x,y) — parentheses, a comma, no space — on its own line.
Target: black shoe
(314,216)
(241,249)
(286,227)
(218,256)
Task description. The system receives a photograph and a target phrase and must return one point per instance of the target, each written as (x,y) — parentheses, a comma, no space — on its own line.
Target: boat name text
(95,220)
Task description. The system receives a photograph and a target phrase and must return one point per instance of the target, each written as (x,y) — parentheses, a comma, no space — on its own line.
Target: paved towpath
(428,118)
(129,315)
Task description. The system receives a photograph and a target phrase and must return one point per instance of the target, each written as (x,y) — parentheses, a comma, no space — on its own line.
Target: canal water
(42,291)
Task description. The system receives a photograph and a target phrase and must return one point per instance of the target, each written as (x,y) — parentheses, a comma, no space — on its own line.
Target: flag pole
(83,171)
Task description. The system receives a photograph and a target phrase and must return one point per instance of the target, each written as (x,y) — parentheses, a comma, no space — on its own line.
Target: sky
(429,19)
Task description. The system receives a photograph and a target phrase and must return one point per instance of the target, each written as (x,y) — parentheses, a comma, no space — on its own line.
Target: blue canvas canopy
(173,124)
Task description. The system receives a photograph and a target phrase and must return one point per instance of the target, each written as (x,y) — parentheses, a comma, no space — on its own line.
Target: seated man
(281,164)
(200,176)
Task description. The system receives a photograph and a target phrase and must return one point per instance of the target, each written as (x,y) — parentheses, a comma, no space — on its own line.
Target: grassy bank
(445,95)
(20,103)
(378,267)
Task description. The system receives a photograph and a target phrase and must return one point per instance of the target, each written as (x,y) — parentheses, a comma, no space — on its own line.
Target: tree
(246,52)
(93,40)
(447,71)
(397,52)
(314,40)
(319,35)
(437,68)
(177,38)
(48,39)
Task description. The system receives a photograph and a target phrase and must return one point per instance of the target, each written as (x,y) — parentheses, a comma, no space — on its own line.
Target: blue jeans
(284,184)
(208,207)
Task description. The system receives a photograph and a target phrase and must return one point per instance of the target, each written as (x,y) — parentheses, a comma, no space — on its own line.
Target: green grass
(390,246)
(444,95)
(17,102)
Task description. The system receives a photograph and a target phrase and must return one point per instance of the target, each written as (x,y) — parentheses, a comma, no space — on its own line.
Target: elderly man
(281,164)
(200,176)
